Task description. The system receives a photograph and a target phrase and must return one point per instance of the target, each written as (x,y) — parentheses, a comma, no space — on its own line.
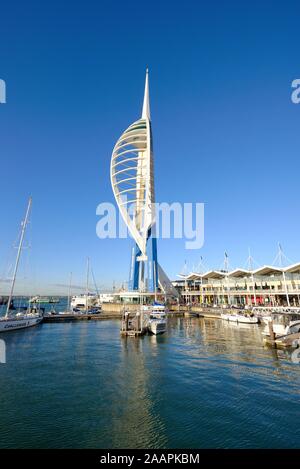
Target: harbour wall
(116,309)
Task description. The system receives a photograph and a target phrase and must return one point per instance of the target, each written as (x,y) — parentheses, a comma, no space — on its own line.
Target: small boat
(266,313)
(54,300)
(247,319)
(157,326)
(283,324)
(21,320)
(43,299)
(30,316)
(87,301)
(292,328)
(84,302)
(229,317)
(244,318)
(38,299)
(157,323)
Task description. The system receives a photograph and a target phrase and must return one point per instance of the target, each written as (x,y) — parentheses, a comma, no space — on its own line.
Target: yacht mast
(251,268)
(87,284)
(155,287)
(69,292)
(280,257)
(24,224)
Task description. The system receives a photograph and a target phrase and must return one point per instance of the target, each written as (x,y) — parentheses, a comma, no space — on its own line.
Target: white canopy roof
(216,274)
(240,273)
(265,270)
(268,270)
(293,269)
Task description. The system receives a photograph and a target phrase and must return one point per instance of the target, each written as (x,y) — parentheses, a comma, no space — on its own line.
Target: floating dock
(133,324)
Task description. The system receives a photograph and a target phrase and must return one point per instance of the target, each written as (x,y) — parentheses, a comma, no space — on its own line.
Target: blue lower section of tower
(149,267)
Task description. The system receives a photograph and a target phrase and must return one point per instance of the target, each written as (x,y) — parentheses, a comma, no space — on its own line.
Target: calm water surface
(203,384)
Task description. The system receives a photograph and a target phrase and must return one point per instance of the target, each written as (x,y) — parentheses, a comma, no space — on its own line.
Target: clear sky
(226,132)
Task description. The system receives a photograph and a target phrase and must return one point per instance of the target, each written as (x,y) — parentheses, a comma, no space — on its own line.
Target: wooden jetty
(133,324)
(195,311)
(59,317)
(104,315)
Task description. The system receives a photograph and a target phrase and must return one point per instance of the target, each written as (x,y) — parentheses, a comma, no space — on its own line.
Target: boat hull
(7,325)
(239,318)
(246,320)
(157,326)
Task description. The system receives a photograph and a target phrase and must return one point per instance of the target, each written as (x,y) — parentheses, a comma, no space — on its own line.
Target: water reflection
(136,422)
(205,383)
(227,337)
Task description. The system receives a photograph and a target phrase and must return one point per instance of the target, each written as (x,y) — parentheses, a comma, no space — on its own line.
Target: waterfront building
(267,285)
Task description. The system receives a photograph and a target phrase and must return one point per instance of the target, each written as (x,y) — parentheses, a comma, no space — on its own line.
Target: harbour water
(205,383)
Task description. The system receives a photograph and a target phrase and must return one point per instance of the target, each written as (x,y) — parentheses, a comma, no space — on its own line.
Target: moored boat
(28,317)
(283,324)
(242,317)
(84,301)
(43,299)
(157,326)
(20,321)
(157,323)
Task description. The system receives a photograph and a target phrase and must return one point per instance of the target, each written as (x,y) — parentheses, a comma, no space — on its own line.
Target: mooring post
(272,333)
(126,321)
(137,321)
(142,321)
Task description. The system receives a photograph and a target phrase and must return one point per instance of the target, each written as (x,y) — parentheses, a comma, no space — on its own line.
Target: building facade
(267,285)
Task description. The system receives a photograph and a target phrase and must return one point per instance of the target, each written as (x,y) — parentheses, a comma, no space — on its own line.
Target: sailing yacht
(32,315)
(88,302)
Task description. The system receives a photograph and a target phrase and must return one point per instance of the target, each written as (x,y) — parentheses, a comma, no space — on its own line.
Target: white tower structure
(132,179)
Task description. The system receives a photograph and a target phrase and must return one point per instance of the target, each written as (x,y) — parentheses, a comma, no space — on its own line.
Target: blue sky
(225,130)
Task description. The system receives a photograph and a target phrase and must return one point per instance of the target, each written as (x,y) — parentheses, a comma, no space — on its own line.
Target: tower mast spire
(146,103)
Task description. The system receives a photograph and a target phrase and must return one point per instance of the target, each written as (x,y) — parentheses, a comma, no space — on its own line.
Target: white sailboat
(88,302)
(30,317)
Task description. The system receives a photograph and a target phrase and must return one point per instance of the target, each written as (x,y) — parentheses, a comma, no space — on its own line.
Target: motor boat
(241,317)
(157,323)
(283,323)
(81,302)
(266,313)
